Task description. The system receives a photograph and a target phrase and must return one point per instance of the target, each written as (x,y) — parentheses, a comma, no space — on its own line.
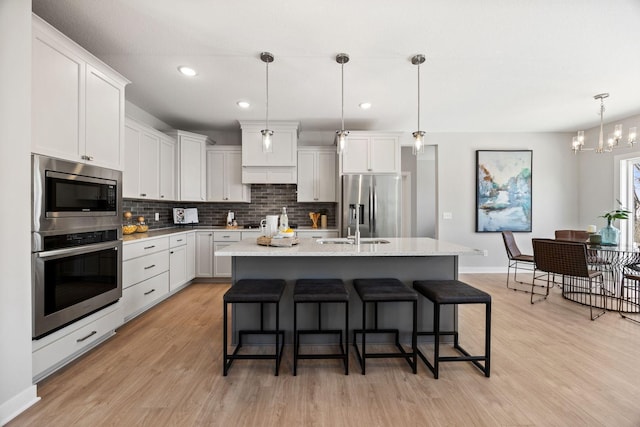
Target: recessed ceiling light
(243,104)
(187,71)
(365,105)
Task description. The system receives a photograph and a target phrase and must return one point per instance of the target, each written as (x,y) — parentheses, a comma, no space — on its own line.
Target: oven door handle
(79,249)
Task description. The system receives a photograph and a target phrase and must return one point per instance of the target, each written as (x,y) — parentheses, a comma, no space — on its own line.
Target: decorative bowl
(129,229)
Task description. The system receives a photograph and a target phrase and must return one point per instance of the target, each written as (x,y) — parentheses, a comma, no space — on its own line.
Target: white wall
(16,389)
(597,174)
(554,182)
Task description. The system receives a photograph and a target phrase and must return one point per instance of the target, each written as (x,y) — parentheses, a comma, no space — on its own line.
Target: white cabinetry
(145,274)
(224,176)
(149,164)
(59,348)
(191,255)
(317,234)
(191,165)
(177,261)
(222,264)
(316,175)
(204,253)
(276,167)
(77,102)
(371,153)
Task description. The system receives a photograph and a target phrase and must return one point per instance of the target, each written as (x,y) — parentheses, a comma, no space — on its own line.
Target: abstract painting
(503,190)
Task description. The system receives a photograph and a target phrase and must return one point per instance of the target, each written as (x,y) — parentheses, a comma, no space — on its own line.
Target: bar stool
(320,291)
(380,291)
(441,292)
(254,291)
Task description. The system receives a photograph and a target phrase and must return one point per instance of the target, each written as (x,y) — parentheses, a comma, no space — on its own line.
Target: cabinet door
(221,264)
(215,176)
(384,154)
(191,255)
(356,157)
(131,172)
(283,153)
(236,190)
(104,120)
(307,173)
(326,176)
(56,95)
(192,169)
(177,267)
(149,159)
(167,169)
(204,254)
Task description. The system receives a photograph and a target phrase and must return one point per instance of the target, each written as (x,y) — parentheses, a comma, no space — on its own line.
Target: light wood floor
(551,366)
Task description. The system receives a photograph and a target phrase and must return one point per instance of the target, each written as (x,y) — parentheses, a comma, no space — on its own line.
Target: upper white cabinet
(224,176)
(149,164)
(276,167)
(191,165)
(369,152)
(316,174)
(77,104)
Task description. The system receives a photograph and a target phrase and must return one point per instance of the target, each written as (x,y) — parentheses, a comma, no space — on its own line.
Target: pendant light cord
(418,97)
(342,92)
(267,118)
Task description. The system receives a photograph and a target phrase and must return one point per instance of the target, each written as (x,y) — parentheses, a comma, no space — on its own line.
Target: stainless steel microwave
(71,196)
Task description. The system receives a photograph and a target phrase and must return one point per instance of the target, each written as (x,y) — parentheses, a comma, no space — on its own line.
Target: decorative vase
(610,235)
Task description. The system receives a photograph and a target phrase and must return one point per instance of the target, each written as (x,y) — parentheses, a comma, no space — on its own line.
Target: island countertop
(307,247)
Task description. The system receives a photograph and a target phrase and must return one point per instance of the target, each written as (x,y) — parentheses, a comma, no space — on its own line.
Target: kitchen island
(406,259)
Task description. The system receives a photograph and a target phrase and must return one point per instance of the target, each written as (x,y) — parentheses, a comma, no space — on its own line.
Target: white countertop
(414,246)
(160,232)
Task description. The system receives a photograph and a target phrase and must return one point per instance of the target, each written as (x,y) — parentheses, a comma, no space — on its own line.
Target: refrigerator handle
(372,212)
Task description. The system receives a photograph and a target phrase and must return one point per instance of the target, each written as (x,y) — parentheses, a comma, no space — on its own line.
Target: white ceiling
(492,65)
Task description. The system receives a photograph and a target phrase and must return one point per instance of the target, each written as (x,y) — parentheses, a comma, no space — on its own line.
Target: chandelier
(613,139)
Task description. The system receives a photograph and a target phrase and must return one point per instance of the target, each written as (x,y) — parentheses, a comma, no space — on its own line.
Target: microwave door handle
(78,250)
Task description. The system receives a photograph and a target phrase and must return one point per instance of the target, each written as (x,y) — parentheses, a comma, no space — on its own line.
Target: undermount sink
(348,241)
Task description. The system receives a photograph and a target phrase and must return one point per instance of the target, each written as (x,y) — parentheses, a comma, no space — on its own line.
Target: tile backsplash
(266,199)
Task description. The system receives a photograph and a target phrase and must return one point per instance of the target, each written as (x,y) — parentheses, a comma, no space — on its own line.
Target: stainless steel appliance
(71,196)
(379,199)
(76,241)
(74,275)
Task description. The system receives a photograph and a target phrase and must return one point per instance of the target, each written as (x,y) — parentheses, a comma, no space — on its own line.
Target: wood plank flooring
(551,366)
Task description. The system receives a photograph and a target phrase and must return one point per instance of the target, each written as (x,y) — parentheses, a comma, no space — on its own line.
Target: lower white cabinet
(143,295)
(191,255)
(204,253)
(222,264)
(317,234)
(177,261)
(61,347)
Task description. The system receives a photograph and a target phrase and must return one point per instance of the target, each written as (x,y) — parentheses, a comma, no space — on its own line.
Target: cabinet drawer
(317,234)
(144,294)
(68,346)
(226,236)
(138,269)
(144,247)
(177,240)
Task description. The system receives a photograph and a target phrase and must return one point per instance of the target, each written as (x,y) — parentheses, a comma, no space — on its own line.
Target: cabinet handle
(315,198)
(225,237)
(143,194)
(148,292)
(171,252)
(162,196)
(85,157)
(179,240)
(150,266)
(88,336)
(150,247)
(369,169)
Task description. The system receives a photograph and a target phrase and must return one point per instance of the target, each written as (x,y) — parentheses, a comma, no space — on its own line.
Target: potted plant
(610,234)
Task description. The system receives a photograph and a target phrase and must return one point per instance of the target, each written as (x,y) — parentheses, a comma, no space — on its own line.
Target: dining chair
(629,301)
(517,260)
(592,256)
(569,259)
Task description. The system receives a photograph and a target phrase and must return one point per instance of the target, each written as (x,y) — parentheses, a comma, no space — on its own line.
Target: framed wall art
(503,190)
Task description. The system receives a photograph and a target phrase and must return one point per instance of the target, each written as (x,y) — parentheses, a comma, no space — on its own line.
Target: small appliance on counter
(185,216)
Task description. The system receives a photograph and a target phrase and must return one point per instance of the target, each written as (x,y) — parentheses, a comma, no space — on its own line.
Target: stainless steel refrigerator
(379,199)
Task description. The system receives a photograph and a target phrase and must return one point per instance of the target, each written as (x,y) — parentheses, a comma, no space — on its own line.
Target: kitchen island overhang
(406,259)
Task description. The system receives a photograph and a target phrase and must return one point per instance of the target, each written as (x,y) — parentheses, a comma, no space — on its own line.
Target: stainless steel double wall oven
(76,241)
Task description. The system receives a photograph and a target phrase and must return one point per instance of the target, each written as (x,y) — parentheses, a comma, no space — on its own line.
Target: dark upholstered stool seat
(386,290)
(318,292)
(443,292)
(375,291)
(261,291)
(255,290)
(451,292)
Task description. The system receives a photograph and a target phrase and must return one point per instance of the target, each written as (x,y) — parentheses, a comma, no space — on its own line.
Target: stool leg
(224,340)
(278,355)
(414,338)
(364,336)
(295,338)
(487,341)
(346,338)
(436,339)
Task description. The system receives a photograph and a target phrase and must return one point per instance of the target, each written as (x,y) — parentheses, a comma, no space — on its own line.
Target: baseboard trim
(18,404)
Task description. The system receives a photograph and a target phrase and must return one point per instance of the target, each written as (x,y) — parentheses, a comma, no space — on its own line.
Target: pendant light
(418,136)
(341,142)
(267,140)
